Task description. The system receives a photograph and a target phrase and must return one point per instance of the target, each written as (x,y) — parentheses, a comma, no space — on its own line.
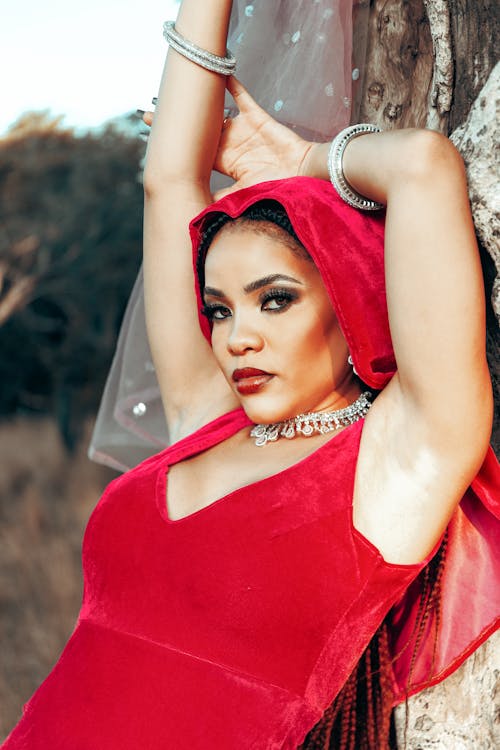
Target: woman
(233,582)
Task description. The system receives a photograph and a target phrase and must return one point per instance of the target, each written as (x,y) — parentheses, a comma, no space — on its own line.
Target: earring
(350,362)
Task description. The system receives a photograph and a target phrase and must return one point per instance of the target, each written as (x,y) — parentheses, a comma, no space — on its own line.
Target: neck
(346,391)
(307,424)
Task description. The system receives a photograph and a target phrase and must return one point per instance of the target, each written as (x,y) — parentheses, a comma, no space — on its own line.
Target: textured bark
(478,140)
(441,91)
(399,65)
(426,64)
(462,712)
(475,33)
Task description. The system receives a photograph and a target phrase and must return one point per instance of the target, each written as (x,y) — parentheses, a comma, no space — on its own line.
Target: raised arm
(433,275)
(434,418)
(181,151)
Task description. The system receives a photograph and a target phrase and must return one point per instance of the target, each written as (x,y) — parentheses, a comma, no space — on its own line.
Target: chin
(267,413)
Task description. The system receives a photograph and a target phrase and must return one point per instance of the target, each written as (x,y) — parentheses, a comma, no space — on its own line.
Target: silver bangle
(224,65)
(335,156)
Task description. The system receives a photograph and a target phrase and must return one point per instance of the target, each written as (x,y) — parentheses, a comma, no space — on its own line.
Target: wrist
(315,161)
(340,176)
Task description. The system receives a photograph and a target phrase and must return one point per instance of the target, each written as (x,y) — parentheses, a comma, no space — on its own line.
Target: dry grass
(46,498)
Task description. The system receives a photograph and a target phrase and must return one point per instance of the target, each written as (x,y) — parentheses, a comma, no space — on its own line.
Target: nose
(244,336)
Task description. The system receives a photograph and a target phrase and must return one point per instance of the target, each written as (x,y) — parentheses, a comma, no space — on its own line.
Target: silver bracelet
(335,156)
(224,65)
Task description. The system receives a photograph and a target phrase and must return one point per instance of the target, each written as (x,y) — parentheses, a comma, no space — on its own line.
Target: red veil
(347,247)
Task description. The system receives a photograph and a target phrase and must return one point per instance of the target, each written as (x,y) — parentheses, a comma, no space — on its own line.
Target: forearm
(374,164)
(188,117)
(433,279)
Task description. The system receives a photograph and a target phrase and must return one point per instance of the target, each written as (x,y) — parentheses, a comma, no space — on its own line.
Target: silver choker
(315,421)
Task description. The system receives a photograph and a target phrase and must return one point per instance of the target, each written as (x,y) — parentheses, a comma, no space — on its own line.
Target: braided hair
(361,717)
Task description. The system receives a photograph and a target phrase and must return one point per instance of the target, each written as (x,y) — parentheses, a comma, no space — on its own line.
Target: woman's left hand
(254,147)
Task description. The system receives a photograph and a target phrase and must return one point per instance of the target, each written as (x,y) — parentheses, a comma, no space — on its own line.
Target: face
(275,335)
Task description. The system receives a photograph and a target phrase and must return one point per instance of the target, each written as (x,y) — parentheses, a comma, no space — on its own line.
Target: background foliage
(70,244)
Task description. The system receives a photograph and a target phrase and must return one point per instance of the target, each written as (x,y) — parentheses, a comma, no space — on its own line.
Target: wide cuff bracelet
(336,172)
(224,65)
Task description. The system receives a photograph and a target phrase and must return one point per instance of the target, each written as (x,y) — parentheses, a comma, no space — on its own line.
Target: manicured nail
(140,113)
(154,100)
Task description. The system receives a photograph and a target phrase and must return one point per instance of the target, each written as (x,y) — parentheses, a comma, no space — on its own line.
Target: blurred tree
(70,241)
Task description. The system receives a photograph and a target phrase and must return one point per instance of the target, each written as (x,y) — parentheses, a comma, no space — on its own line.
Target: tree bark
(475,35)
(459,713)
(427,62)
(399,65)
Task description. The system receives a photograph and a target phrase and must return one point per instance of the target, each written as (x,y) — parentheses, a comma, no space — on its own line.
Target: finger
(227,118)
(148,118)
(240,95)
(226,191)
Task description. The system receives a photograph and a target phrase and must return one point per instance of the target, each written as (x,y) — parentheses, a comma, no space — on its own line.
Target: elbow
(153,181)
(432,154)
(487,415)
(165,183)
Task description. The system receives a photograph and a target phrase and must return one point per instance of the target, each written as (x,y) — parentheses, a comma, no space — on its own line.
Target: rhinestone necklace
(315,421)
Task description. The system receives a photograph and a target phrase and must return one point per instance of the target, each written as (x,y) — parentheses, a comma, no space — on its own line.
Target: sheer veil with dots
(297,61)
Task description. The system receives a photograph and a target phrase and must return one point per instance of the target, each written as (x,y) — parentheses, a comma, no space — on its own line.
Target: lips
(250,380)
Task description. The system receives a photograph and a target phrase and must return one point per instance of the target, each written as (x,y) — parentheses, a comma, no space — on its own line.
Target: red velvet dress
(232,628)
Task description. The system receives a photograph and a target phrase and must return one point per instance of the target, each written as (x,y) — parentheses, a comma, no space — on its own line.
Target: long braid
(430,587)
(370,713)
(384,707)
(360,716)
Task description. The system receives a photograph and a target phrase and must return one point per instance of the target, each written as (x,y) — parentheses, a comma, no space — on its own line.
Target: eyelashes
(272,300)
(215,312)
(281,298)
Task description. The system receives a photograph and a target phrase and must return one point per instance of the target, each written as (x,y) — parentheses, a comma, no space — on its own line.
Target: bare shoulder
(410,476)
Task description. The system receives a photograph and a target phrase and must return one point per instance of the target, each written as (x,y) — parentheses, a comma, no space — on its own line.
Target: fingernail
(140,113)
(154,100)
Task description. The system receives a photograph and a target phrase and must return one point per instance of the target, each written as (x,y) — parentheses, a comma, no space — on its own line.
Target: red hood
(347,247)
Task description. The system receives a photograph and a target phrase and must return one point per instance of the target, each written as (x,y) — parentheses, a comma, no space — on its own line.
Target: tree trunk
(475,34)
(429,63)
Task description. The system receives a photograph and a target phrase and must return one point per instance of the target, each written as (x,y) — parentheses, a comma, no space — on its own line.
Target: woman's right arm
(181,152)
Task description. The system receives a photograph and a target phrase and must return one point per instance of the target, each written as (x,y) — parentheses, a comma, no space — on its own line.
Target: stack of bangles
(227,66)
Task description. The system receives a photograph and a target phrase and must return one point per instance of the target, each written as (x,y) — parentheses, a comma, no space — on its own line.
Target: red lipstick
(250,380)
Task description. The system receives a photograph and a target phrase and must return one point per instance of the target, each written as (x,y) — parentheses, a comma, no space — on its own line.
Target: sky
(89,61)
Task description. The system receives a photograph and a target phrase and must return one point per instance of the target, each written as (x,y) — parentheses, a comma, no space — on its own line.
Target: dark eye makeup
(277,300)
(274,300)
(215,312)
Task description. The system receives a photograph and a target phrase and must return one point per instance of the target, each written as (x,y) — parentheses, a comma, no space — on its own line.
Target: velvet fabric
(235,627)
(347,247)
(229,629)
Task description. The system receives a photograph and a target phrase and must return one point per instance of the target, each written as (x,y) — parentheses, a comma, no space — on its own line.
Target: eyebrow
(254,285)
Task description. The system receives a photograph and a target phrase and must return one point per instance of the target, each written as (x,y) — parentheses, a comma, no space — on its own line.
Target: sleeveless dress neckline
(205,438)
(191,449)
